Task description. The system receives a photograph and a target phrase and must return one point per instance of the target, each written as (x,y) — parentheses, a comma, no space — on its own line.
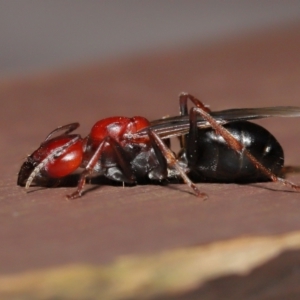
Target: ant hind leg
(183,99)
(232,142)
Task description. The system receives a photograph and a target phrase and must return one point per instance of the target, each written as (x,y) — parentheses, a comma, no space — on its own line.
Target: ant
(215,146)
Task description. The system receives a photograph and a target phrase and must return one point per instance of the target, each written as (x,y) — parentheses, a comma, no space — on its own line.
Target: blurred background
(37,35)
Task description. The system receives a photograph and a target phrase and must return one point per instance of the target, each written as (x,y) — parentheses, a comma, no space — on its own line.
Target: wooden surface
(41,230)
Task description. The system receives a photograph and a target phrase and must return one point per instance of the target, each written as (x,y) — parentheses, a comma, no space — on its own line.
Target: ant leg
(232,142)
(183,99)
(68,128)
(172,162)
(119,159)
(160,171)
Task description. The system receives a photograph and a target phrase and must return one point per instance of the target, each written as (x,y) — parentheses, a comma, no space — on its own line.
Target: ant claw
(73,196)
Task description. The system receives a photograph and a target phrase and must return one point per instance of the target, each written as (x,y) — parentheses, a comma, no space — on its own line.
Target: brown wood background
(40,229)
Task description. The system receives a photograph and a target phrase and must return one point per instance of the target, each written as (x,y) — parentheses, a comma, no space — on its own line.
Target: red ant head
(55,158)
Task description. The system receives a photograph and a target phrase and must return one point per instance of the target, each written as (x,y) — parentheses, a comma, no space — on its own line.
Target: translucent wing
(179,125)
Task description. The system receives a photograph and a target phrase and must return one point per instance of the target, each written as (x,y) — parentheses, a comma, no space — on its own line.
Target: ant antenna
(54,154)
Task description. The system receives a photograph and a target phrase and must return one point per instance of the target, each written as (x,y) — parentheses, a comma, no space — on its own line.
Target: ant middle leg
(173,163)
(231,141)
(116,154)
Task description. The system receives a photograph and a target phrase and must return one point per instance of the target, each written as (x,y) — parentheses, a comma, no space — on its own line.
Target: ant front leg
(116,153)
(173,163)
(231,141)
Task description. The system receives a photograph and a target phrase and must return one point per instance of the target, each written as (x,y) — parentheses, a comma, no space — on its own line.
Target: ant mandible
(216,146)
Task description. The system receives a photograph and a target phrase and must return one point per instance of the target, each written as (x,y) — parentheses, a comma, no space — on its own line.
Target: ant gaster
(216,146)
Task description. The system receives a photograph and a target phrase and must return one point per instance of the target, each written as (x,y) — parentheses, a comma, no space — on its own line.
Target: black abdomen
(216,162)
